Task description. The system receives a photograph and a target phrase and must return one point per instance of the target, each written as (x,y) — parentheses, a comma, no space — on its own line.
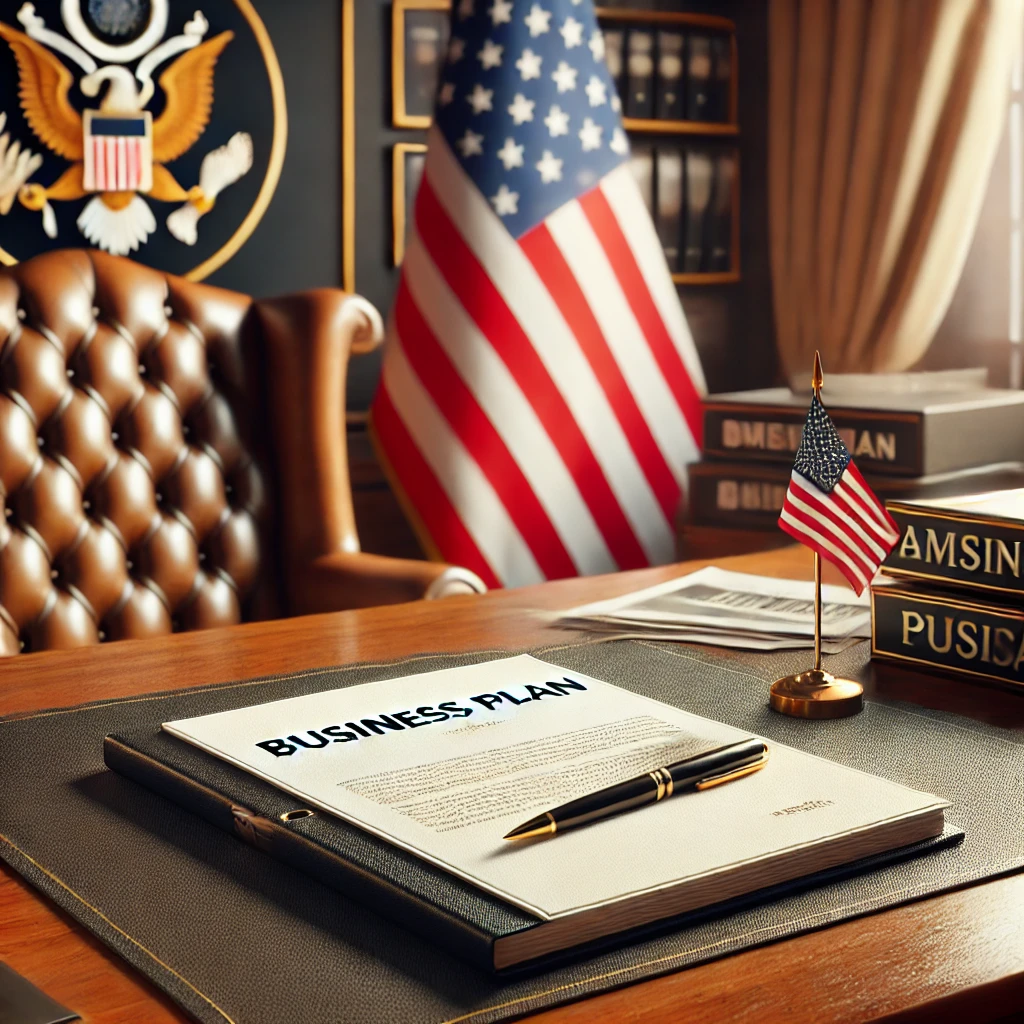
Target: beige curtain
(884,120)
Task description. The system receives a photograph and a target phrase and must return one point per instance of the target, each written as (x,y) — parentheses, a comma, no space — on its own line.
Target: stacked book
(959,604)
(913,436)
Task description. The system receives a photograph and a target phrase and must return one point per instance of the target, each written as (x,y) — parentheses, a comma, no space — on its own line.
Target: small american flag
(831,509)
(541,394)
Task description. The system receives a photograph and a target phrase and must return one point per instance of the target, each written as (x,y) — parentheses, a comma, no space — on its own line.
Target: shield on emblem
(118,152)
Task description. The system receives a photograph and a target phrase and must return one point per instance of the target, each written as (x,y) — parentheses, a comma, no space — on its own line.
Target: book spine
(614,58)
(736,498)
(668,222)
(721,104)
(641,164)
(969,553)
(700,60)
(670,101)
(721,225)
(301,853)
(699,182)
(880,444)
(967,639)
(639,100)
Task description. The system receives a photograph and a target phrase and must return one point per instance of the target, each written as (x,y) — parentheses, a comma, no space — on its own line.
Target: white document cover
(443,764)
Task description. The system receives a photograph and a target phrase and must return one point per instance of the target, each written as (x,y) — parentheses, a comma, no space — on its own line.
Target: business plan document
(444,763)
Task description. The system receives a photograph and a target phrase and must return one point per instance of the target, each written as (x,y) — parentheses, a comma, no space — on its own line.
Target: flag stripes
(420,485)
(472,357)
(834,524)
(634,364)
(627,203)
(481,513)
(608,230)
(551,264)
(478,435)
(562,368)
(486,305)
(117,164)
(537,389)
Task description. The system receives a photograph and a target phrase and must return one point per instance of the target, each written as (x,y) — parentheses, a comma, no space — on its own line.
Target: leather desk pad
(231,935)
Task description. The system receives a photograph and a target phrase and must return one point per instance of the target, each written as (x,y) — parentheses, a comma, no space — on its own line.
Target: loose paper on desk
(443,764)
(731,609)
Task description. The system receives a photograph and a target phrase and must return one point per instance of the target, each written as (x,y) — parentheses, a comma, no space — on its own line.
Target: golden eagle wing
(45,82)
(188,86)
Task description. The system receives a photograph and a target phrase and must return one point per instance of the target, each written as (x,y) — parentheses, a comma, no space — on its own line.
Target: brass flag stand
(816,693)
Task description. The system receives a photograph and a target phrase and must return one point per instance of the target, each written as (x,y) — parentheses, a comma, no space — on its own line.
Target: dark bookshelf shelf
(711,277)
(655,126)
(639,15)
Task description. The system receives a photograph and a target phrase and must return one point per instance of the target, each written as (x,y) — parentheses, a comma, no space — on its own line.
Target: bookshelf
(716,133)
(423,23)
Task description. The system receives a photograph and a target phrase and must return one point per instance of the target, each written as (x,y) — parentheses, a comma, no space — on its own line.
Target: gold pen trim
(736,773)
(656,776)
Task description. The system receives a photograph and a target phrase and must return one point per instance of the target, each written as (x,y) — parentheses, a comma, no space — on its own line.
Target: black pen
(702,771)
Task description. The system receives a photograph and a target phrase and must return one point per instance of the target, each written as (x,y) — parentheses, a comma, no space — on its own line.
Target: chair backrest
(134,474)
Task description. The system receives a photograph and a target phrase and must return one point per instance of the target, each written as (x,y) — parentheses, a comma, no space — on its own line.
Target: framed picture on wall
(407,161)
(419,44)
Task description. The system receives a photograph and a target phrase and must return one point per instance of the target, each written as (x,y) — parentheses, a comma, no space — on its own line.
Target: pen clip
(734,773)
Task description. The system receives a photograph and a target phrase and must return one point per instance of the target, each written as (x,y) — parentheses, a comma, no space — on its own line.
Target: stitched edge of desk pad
(408,980)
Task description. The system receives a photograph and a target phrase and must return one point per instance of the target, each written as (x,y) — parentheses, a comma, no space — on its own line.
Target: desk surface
(954,957)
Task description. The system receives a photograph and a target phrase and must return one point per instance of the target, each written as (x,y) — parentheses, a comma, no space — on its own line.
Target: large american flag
(831,509)
(541,394)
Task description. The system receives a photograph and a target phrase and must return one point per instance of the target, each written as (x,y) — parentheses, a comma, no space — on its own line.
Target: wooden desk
(958,957)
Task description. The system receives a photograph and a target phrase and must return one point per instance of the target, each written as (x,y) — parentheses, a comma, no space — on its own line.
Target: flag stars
(456,50)
(538,21)
(506,202)
(596,44)
(501,12)
(446,94)
(572,33)
(550,167)
(465,9)
(529,64)
(557,121)
(471,144)
(619,143)
(597,91)
(521,109)
(511,154)
(481,99)
(490,55)
(590,135)
(564,76)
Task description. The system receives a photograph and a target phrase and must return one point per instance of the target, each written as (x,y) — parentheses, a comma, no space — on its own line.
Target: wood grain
(956,957)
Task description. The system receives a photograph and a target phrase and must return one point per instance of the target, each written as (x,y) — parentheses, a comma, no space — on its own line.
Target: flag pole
(816,693)
(817,379)
(817,612)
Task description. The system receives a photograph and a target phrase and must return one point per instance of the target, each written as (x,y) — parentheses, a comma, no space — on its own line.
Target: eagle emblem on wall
(116,149)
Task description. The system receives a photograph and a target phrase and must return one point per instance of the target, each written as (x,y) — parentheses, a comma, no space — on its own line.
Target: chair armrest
(360,580)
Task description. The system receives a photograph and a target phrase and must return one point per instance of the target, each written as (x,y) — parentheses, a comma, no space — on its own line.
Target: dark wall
(297,244)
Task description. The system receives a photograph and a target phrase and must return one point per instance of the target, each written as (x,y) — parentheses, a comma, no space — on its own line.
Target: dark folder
(722,213)
(615,58)
(699,63)
(699,184)
(720,103)
(669,219)
(640,74)
(449,912)
(670,99)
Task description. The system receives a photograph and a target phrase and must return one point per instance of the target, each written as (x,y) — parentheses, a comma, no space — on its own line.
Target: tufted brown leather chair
(172,457)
